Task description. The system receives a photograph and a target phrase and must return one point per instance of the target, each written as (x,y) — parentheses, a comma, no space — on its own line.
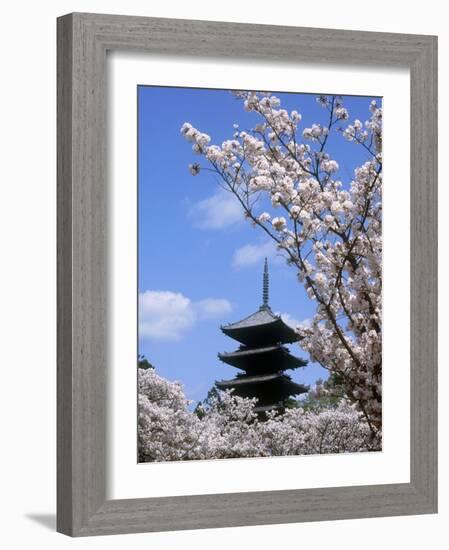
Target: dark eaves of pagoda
(277,377)
(261,359)
(260,327)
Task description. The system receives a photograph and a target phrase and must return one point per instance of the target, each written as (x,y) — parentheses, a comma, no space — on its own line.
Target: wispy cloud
(251,254)
(293,322)
(211,308)
(216,212)
(168,316)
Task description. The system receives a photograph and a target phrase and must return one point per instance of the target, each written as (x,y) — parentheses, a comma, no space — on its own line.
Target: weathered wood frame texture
(83,40)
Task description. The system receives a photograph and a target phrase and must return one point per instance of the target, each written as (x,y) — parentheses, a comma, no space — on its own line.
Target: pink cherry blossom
(228,427)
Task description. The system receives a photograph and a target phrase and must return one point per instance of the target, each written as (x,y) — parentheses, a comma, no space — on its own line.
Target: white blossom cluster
(329,230)
(229,428)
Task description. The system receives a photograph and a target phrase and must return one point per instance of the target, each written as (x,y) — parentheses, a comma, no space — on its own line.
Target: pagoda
(262,357)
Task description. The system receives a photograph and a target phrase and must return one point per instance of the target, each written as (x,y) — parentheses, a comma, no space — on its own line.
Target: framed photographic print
(246,274)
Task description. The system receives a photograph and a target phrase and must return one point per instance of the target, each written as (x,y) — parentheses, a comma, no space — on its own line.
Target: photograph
(221,251)
(259,274)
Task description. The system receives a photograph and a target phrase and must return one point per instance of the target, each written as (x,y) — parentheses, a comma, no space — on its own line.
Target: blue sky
(200,263)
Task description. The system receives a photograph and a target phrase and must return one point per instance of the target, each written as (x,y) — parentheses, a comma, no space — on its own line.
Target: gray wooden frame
(83,40)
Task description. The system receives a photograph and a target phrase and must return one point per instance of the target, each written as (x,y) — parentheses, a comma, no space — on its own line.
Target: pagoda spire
(265,288)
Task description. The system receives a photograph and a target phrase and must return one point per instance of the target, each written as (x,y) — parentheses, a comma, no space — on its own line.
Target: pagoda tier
(262,328)
(263,357)
(261,360)
(270,389)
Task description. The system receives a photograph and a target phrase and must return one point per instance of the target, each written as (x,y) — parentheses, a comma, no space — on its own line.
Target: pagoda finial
(265,285)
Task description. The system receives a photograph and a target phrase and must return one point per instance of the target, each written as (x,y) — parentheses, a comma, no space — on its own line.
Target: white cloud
(251,254)
(164,315)
(293,322)
(216,212)
(168,316)
(289,320)
(211,308)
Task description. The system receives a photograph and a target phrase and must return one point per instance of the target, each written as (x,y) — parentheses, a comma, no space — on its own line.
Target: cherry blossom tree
(229,427)
(166,429)
(329,231)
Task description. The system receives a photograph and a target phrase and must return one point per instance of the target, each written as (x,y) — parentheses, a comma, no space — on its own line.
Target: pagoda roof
(262,316)
(265,358)
(263,325)
(278,378)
